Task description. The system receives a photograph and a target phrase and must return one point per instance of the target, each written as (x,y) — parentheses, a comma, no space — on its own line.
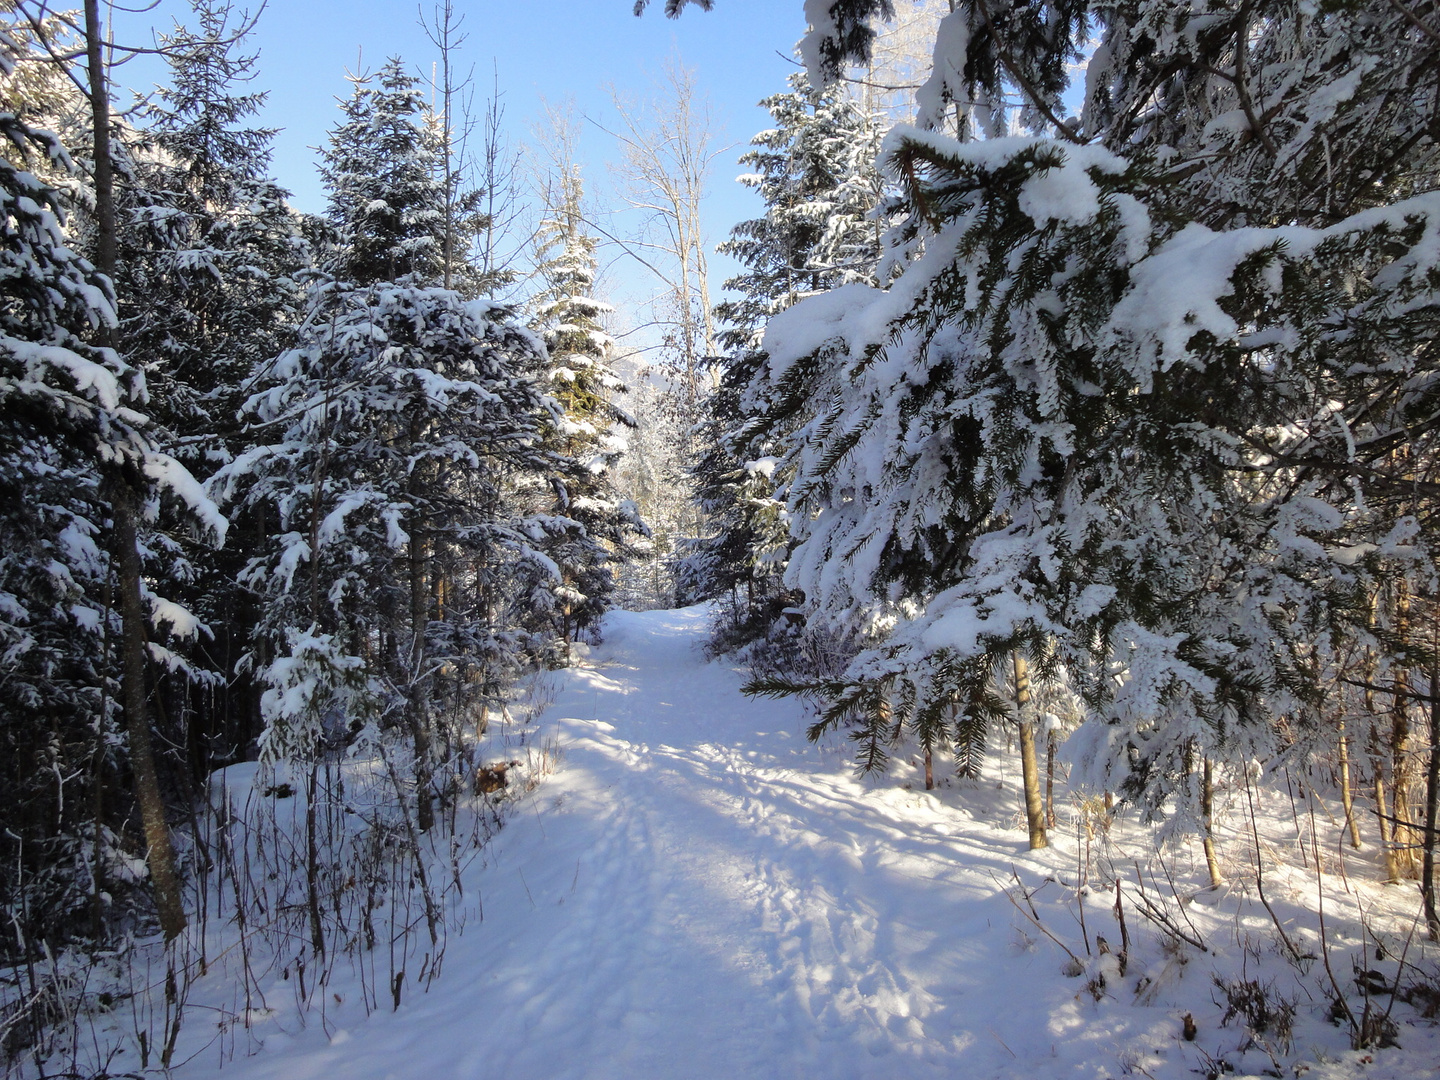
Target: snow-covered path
(713,899)
(698,892)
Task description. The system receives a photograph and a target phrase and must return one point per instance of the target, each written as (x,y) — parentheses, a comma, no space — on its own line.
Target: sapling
(1347,795)
(1260,876)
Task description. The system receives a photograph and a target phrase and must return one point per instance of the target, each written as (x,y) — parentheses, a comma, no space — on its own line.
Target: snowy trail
(714,929)
(699,892)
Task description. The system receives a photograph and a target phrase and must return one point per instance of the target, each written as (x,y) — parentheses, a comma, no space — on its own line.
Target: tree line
(275,484)
(1119,422)
(1020,418)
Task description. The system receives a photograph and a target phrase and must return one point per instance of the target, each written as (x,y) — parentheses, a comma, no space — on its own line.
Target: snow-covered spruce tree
(817,174)
(386,201)
(44,95)
(1316,127)
(816,171)
(1136,408)
(71,439)
(216,248)
(590,523)
(209,254)
(398,414)
(393,426)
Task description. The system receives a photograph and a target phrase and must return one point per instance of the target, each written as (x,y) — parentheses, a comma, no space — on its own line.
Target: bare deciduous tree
(668,149)
(901,59)
(482,200)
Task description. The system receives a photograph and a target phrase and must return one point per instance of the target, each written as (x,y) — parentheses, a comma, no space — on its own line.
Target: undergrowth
(349,906)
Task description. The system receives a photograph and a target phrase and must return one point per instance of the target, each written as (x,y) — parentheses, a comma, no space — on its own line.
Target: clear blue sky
(550,48)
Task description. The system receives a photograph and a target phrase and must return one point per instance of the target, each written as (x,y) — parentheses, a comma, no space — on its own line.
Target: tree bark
(1347,791)
(1029,766)
(160,850)
(312,861)
(1404,839)
(416,710)
(1432,795)
(1382,809)
(1207,818)
(1050,781)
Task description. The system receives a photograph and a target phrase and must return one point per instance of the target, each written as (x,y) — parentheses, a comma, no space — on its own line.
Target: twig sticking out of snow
(1032,915)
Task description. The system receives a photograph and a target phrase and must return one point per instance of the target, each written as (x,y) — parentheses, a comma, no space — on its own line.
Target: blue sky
(541,48)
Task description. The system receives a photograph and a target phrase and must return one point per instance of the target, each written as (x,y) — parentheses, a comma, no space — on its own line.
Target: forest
(1067,415)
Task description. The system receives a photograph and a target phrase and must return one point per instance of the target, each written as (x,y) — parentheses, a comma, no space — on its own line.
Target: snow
(827,316)
(182,623)
(91,379)
(333,526)
(77,541)
(1177,291)
(947,77)
(822,27)
(175,478)
(1065,195)
(698,892)
(957,622)
(86,618)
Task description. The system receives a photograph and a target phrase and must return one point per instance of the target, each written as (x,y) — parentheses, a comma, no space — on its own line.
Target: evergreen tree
(816,171)
(591,522)
(394,427)
(387,200)
(392,424)
(215,249)
(70,431)
(1141,410)
(44,95)
(207,269)
(60,403)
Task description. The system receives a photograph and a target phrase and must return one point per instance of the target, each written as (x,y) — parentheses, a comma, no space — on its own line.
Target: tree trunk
(97,808)
(1347,791)
(1050,781)
(160,851)
(1029,767)
(1207,818)
(312,861)
(416,711)
(1382,809)
(1404,838)
(1432,794)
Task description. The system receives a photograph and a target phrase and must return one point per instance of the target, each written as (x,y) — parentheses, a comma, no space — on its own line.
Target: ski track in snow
(699,892)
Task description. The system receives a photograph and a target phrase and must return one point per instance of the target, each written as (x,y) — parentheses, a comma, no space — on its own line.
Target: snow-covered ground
(699,892)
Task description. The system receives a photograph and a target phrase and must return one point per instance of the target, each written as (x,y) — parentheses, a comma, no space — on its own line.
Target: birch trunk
(1347,791)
